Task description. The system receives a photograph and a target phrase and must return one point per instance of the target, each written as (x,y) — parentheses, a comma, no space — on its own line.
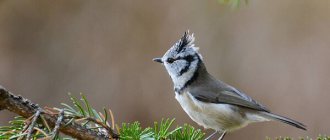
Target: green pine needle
(134,131)
(187,132)
(14,130)
(160,131)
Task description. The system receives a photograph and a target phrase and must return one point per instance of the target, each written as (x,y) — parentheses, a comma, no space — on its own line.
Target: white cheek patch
(180,81)
(175,68)
(182,64)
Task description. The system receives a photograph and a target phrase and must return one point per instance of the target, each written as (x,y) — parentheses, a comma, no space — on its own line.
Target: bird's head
(182,59)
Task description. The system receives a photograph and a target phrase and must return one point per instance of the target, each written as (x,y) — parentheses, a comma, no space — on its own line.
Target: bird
(209,102)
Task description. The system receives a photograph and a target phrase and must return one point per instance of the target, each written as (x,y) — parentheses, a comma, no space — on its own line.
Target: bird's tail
(286,120)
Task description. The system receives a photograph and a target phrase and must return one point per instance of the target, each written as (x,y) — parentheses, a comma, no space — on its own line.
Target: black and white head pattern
(182,60)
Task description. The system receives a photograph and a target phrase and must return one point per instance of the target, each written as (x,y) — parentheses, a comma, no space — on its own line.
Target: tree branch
(26,108)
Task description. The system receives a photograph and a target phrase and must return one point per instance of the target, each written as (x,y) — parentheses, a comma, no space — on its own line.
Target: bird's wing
(226,95)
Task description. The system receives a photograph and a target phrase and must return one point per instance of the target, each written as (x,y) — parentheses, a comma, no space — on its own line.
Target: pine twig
(33,123)
(26,108)
(58,123)
(109,130)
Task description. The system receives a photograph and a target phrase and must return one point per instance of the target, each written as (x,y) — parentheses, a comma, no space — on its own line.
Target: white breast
(219,117)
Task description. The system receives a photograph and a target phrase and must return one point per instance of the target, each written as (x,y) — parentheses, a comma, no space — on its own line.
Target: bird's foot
(209,137)
(222,135)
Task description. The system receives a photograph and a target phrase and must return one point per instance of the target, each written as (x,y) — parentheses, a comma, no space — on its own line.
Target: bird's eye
(170,60)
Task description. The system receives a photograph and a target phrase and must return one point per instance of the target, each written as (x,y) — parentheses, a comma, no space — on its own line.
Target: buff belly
(220,117)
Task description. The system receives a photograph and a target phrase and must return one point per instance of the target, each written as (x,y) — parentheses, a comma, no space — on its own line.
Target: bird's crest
(185,41)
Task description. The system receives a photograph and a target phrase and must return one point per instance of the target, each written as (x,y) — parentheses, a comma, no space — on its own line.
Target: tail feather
(285,120)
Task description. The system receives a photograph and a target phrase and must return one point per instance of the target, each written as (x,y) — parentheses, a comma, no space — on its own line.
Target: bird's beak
(159,60)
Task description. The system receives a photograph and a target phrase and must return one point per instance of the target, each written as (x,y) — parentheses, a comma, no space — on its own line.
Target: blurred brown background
(275,51)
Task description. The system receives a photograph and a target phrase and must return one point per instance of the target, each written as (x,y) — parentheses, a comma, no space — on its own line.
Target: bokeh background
(276,51)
